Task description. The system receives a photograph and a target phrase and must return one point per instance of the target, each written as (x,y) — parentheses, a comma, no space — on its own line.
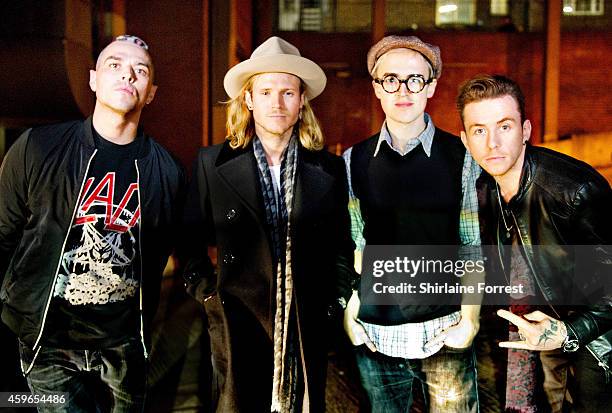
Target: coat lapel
(312,184)
(238,169)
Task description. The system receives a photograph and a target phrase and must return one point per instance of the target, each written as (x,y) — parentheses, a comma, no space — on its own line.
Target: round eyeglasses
(414,83)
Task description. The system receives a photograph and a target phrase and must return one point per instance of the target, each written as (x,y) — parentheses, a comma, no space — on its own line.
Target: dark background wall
(173,31)
(344,107)
(180,44)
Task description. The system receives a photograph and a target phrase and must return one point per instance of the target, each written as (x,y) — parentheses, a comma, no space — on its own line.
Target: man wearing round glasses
(414,83)
(412,184)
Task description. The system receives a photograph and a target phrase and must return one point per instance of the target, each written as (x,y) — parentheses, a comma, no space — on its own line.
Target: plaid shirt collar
(425,138)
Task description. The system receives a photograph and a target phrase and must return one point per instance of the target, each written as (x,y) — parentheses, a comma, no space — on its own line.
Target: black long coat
(225,209)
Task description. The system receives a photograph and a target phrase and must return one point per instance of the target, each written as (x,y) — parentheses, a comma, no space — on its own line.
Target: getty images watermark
(496,275)
(410,267)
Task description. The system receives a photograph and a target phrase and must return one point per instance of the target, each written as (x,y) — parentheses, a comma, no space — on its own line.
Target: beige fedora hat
(276,55)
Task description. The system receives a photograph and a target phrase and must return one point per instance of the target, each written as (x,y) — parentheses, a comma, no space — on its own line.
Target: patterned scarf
(278,211)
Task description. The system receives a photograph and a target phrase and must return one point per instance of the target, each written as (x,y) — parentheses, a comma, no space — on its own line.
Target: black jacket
(561,202)
(40,183)
(225,208)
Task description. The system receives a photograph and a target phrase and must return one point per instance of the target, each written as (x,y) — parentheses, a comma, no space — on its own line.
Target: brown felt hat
(429,51)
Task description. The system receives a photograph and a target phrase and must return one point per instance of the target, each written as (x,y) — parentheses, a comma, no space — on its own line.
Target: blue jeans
(108,380)
(447,379)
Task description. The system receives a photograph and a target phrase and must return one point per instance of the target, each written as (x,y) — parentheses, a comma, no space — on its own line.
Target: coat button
(229,258)
(231,214)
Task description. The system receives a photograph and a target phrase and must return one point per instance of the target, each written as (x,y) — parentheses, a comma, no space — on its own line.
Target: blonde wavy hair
(240,125)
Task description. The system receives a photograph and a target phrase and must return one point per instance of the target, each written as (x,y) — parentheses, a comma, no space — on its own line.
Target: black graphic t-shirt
(95,300)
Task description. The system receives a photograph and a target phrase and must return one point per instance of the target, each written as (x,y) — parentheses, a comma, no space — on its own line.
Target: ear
(378,90)
(248,98)
(302,97)
(526,130)
(92,80)
(151,94)
(464,140)
(432,88)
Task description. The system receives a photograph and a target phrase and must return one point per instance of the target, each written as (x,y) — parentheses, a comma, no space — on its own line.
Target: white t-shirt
(275,171)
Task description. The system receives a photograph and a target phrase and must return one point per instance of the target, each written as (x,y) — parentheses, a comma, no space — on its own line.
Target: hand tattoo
(547,334)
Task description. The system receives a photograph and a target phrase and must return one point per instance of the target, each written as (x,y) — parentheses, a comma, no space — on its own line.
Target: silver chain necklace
(503,212)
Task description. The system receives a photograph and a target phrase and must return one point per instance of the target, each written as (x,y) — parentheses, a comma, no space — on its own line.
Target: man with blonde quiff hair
(274,204)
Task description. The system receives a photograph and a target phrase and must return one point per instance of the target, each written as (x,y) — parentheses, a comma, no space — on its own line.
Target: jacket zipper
(600,362)
(59,263)
(142,340)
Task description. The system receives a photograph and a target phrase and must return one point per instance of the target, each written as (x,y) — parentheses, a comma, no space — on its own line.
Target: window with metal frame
(455,12)
(583,7)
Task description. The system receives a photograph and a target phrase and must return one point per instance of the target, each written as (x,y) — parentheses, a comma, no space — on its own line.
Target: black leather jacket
(40,183)
(561,201)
